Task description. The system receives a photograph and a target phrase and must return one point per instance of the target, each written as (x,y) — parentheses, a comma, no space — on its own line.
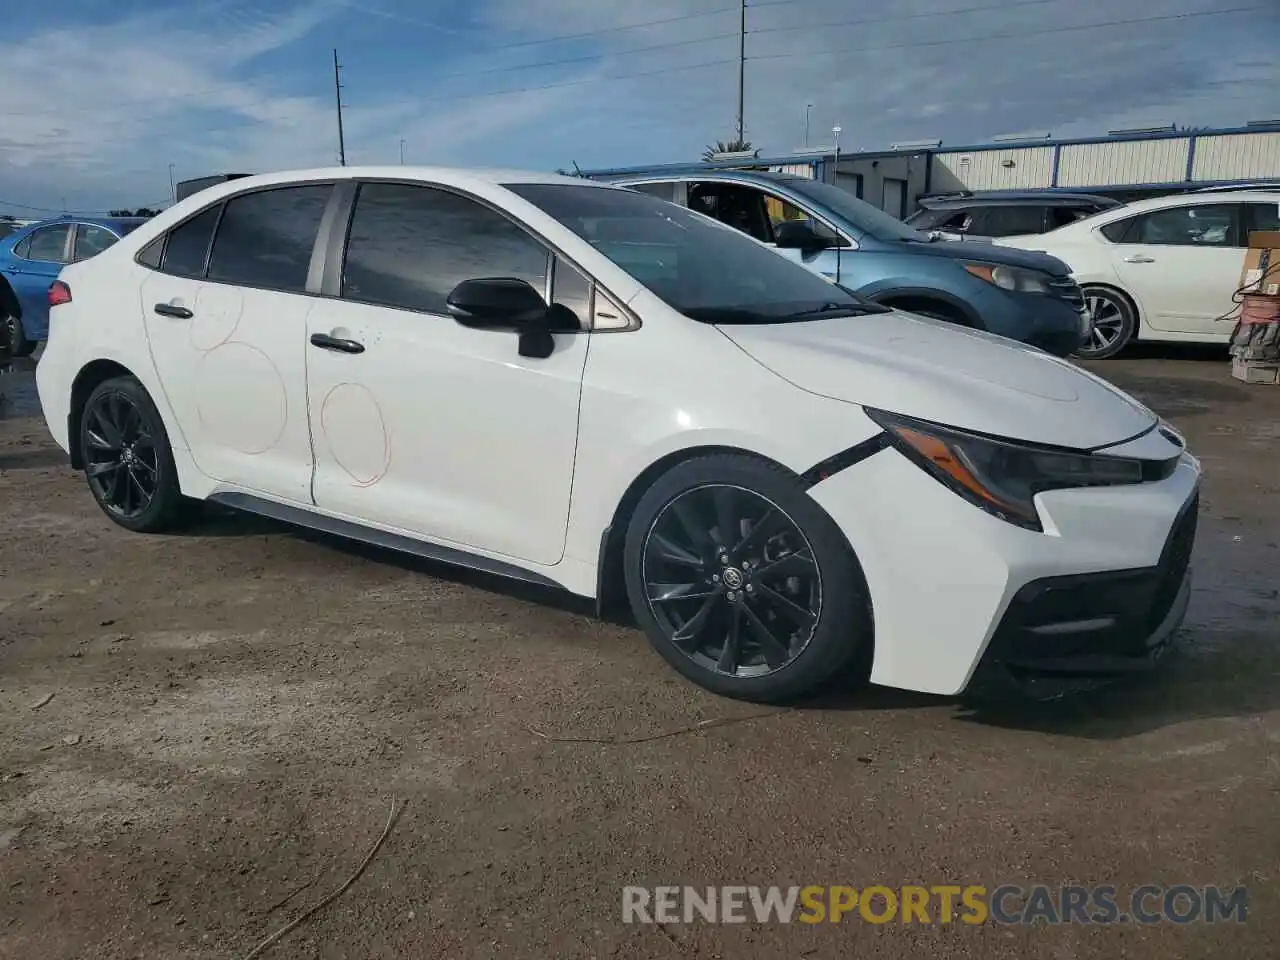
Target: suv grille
(1067,289)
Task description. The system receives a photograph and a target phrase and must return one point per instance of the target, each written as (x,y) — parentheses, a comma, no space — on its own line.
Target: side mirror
(496,303)
(505,303)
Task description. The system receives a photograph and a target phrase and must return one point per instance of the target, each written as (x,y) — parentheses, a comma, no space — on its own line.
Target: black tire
(1118,321)
(13,339)
(139,489)
(827,638)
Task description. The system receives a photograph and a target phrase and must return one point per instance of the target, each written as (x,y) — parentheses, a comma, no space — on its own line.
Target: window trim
(68,225)
(335,250)
(76,233)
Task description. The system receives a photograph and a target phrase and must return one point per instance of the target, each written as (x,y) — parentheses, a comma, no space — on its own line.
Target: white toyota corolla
(584,386)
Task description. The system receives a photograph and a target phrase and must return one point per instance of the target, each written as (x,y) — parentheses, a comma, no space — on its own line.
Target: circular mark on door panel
(356,433)
(217,314)
(241,399)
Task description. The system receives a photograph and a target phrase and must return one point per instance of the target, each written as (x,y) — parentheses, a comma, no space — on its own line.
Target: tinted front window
(410,246)
(845,206)
(1261,216)
(663,191)
(188,245)
(91,239)
(703,269)
(48,243)
(266,238)
(1012,220)
(1202,225)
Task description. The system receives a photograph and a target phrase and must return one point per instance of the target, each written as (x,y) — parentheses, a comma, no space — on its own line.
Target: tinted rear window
(266,237)
(188,245)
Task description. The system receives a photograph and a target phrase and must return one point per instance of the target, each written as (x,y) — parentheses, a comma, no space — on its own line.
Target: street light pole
(835,173)
(402,151)
(173,189)
(807,108)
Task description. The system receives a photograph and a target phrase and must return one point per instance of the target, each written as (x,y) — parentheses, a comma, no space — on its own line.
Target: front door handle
(326,342)
(1139,258)
(172,310)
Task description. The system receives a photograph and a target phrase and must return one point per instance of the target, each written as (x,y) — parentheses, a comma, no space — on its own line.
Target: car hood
(988,252)
(933,370)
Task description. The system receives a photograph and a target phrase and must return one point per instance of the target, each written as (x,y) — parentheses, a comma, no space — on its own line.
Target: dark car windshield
(861,214)
(705,270)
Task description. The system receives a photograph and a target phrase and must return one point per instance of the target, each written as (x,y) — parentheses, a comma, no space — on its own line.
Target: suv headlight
(1003,476)
(1014,279)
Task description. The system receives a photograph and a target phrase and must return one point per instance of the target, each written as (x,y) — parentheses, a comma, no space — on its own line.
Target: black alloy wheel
(127,459)
(121,461)
(743,582)
(732,579)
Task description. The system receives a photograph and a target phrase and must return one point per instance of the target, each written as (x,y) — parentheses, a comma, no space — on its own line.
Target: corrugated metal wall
(1134,161)
(794,169)
(1032,167)
(1238,156)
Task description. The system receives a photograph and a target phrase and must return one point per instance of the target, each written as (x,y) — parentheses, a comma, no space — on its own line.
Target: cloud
(543,83)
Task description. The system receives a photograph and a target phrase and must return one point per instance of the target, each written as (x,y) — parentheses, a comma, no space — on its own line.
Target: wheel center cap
(127,456)
(733,578)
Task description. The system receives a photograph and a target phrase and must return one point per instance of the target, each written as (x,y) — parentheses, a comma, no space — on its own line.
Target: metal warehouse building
(1124,164)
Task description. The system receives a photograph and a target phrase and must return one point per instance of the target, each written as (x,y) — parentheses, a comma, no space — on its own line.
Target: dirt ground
(202,735)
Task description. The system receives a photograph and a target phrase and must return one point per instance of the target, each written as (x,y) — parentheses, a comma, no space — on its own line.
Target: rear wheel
(127,458)
(13,340)
(1113,323)
(742,582)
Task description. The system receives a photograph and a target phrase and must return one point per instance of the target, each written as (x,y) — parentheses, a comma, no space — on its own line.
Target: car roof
(711,173)
(456,176)
(1010,197)
(1189,199)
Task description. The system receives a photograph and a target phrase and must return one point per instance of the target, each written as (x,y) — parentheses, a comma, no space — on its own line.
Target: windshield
(704,269)
(861,214)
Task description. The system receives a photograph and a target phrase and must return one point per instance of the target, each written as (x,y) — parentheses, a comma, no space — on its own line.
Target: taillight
(59,293)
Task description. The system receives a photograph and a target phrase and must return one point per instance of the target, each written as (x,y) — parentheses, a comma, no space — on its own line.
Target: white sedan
(589,388)
(1163,269)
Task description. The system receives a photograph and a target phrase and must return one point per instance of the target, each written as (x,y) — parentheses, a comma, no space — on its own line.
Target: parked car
(1163,269)
(833,233)
(588,388)
(30,259)
(1004,213)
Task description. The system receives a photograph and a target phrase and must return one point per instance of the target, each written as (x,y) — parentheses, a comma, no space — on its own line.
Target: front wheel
(127,458)
(743,583)
(1113,323)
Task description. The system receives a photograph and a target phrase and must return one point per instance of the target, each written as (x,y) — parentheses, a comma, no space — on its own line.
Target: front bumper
(956,593)
(1073,633)
(1056,323)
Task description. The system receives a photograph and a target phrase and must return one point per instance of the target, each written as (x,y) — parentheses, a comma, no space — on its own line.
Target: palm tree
(721,146)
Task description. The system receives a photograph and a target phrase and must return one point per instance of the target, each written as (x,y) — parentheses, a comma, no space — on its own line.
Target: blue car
(1018,294)
(30,260)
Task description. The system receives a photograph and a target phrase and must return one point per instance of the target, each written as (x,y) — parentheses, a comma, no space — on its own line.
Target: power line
(1009,5)
(987,38)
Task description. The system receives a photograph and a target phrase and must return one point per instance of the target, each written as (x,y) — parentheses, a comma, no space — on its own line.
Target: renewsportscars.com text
(941,904)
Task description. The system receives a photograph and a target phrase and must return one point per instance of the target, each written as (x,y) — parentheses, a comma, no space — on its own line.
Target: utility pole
(808,107)
(402,151)
(173,190)
(742,68)
(337,93)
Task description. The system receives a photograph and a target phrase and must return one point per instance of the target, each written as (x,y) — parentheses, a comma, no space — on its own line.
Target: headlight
(1003,476)
(1015,279)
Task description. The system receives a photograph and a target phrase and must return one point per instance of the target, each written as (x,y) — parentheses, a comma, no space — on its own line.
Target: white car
(785,481)
(1164,269)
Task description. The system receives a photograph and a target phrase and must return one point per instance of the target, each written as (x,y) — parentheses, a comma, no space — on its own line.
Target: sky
(99,97)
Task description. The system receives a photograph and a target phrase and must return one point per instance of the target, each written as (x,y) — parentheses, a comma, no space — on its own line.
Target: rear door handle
(326,342)
(171,310)
(1139,258)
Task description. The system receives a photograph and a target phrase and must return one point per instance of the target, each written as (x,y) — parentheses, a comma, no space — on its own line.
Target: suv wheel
(13,340)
